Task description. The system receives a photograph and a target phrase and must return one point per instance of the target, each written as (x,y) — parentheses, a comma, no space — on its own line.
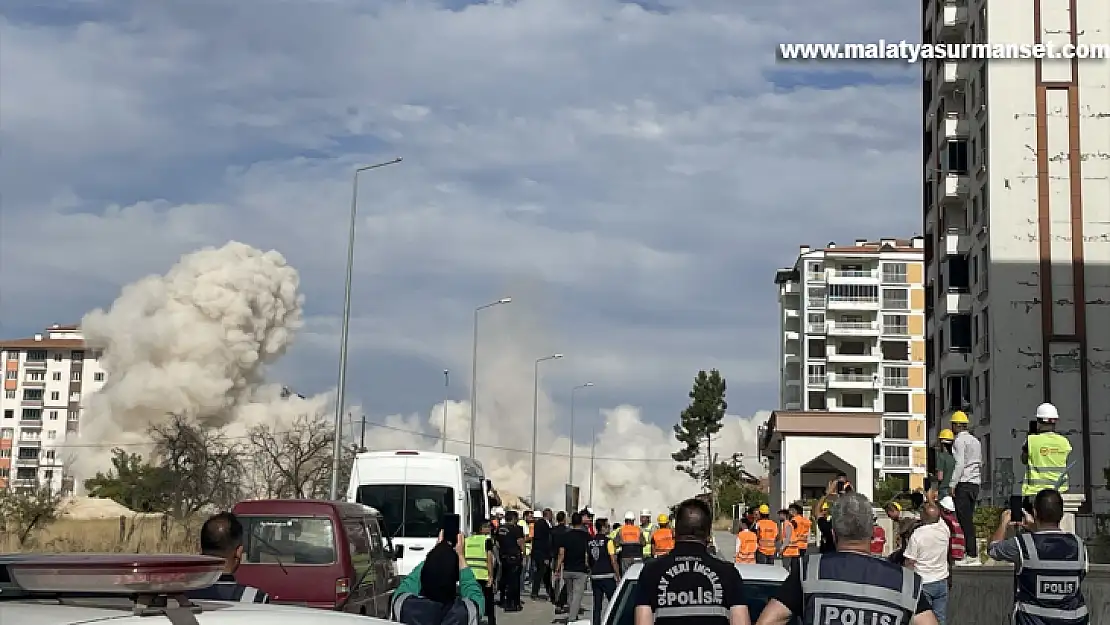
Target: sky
(631,174)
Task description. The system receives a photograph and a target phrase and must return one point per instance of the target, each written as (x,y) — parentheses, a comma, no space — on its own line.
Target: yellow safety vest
(647,531)
(1048,461)
(527,537)
(474,551)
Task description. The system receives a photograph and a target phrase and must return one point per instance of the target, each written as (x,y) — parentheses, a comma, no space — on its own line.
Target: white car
(121,589)
(761,584)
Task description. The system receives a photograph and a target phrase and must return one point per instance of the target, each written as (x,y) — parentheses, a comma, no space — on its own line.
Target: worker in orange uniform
(662,539)
(799,536)
(768,533)
(746,543)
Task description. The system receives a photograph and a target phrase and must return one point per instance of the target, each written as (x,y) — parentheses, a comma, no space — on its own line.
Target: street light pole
(446,394)
(345,332)
(536,418)
(474,372)
(572,391)
(593,455)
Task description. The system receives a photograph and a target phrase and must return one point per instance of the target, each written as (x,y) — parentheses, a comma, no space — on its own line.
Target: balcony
(852,328)
(817,380)
(791,288)
(896,382)
(951,21)
(956,302)
(957,242)
(30,442)
(34,383)
(817,303)
(35,364)
(815,276)
(953,76)
(815,328)
(955,361)
(792,335)
(956,126)
(853,303)
(791,355)
(851,380)
(23,461)
(852,276)
(896,460)
(792,405)
(869,356)
(893,330)
(30,422)
(957,187)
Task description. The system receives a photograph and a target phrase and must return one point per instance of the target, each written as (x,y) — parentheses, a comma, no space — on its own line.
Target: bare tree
(205,465)
(292,462)
(24,511)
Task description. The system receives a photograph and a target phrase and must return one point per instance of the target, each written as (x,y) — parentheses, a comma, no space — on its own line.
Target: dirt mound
(94,509)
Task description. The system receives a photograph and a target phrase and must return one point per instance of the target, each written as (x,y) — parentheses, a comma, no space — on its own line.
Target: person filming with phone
(1050,564)
(441,590)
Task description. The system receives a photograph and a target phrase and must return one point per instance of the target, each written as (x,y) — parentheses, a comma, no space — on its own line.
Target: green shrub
(987,519)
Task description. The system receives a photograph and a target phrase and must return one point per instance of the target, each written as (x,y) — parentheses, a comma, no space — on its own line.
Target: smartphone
(1017,509)
(451,528)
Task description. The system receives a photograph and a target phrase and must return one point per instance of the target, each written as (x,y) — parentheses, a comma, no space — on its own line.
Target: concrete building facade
(852,322)
(47,380)
(1016,207)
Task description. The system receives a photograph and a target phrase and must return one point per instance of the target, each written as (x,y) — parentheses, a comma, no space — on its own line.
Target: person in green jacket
(433,581)
(946,462)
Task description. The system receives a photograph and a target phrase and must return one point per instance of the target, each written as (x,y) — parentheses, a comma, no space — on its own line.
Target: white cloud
(631,176)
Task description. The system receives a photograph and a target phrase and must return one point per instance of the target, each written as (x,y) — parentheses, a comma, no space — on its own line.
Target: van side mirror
(398,552)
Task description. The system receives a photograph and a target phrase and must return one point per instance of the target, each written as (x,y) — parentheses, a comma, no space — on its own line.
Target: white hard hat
(1047,412)
(630,516)
(499,511)
(645,512)
(948,504)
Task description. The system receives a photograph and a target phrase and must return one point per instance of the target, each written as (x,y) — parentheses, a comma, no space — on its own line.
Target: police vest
(854,588)
(601,566)
(1048,461)
(474,551)
(1049,578)
(690,588)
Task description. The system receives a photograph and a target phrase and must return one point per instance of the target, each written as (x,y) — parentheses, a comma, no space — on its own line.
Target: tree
(293,462)
(702,419)
(135,483)
(205,466)
(21,512)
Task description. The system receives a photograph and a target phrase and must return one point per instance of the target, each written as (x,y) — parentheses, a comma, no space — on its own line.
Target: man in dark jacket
(542,555)
(557,532)
(221,536)
(510,543)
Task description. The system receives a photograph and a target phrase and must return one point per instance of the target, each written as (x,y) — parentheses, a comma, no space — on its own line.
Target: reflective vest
(789,549)
(799,540)
(630,536)
(1048,461)
(847,587)
(1053,565)
(648,531)
(746,543)
(526,527)
(768,532)
(663,541)
(474,551)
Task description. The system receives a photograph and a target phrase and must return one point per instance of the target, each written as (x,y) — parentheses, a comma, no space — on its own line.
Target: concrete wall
(985,595)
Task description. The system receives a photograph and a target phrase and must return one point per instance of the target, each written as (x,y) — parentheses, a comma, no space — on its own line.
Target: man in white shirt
(927,553)
(965,482)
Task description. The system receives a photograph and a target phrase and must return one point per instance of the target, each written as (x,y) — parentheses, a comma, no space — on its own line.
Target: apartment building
(1016,201)
(853,341)
(47,379)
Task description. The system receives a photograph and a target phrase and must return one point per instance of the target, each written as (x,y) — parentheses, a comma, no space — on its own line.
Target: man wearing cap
(648,529)
(662,539)
(768,533)
(965,482)
(1045,455)
(957,545)
(827,543)
(630,542)
(945,462)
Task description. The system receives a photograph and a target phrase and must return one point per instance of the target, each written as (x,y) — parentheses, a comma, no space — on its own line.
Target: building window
(36,355)
(896,402)
(867,293)
(9,414)
(31,414)
(32,394)
(896,455)
(9,394)
(49,454)
(895,273)
(36,376)
(75,376)
(896,299)
(817,401)
(6,434)
(816,348)
(896,324)
(897,429)
(6,453)
(74,415)
(896,377)
(98,376)
(57,356)
(53,415)
(55,395)
(51,434)
(896,350)
(957,157)
(851,400)
(815,297)
(815,374)
(56,376)
(11,374)
(816,271)
(77,355)
(75,396)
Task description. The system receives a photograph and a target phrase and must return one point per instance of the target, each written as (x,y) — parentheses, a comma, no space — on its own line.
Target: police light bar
(119,574)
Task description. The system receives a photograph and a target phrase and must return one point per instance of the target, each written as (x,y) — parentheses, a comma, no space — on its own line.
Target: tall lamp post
(536,418)
(474,372)
(570,480)
(345,332)
(446,395)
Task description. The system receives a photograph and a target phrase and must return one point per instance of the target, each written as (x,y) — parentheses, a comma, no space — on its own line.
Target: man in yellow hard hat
(946,463)
(965,481)
(662,539)
(767,533)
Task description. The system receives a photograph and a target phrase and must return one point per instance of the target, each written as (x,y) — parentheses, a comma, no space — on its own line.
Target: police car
(121,589)
(761,584)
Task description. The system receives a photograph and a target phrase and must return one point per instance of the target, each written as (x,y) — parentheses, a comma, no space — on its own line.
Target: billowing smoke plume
(194,342)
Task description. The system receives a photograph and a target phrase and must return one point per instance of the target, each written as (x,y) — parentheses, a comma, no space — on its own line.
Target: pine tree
(702,419)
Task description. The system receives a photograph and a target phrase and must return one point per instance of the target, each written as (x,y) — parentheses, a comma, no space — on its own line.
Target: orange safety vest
(746,552)
(768,531)
(800,538)
(790,550)
(631,534)
(663,541)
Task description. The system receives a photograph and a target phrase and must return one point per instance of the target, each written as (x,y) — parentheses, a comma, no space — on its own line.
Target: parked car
(320,554)
(761,584)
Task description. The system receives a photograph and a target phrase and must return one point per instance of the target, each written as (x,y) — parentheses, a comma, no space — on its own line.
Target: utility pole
(362,436)
(446,394)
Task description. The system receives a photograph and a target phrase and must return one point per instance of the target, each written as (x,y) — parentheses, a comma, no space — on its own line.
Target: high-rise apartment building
(853,340)
(1016,206)
(47,380)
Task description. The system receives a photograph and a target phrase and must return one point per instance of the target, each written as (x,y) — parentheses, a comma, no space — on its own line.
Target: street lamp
(446,394)
(536,417)
(572,392)
(474,372)
(345,332)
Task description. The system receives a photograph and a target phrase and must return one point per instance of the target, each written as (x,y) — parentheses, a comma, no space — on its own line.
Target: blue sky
(631,176)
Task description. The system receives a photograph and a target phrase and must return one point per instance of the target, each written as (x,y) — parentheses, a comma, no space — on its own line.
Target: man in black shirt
(571,565)
(510,543)
(850,583)
(221,536)
(602,559)
(542,554)
(560,596)
(688,586)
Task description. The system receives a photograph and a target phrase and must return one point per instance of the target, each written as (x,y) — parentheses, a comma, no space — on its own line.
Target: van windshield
(288,540)
(409,510)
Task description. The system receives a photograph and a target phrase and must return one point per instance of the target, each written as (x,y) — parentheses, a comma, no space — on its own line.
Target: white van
(413,490)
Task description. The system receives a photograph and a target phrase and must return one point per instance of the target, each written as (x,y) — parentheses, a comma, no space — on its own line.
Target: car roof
(749,572)
(30,612)
(302,506)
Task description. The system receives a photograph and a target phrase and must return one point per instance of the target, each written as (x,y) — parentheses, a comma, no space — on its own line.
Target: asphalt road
(542,613)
